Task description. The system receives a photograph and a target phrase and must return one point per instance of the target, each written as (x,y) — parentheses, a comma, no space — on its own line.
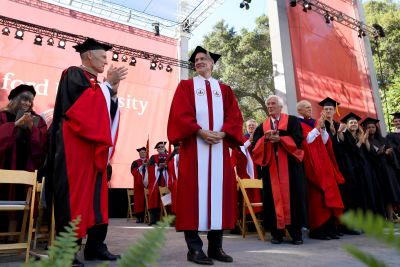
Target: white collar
(204,79)
(273,119)
(397,130)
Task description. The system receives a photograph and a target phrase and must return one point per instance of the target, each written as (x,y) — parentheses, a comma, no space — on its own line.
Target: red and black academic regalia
(280,167)
(246,169)
(83,132)
(173,166)
(138,171)
(323,175)
(22,149)
(207,192)
(156,177)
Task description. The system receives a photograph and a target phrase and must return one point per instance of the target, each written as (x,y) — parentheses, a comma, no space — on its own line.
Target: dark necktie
(210,107)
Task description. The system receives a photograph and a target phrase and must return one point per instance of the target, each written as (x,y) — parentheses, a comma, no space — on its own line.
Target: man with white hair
(206,119)
(322,173)
(278,155)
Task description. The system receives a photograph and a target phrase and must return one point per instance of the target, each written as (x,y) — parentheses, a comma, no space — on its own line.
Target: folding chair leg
(260,232)
(23,227)
(244,220)
(52,226)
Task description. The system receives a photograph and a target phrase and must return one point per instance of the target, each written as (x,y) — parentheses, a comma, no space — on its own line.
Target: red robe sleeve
(93,126)
(182,121)
(39,143)
(233,119)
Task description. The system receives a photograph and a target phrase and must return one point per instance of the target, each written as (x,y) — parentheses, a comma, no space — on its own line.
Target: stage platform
(245,252)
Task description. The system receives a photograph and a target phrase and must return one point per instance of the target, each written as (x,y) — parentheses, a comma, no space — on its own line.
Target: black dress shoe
(276,240)
(103,255)
(319,236)
(351,232)
(297,241)
(219,255)
(77,263)
(199,257)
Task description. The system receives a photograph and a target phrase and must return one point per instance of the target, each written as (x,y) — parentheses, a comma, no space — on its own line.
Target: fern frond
(146,251)
(373,225)
(365,258)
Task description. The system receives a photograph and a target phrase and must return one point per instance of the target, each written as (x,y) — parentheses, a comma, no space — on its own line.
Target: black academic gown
(362,189)
(297,181)
(386,170)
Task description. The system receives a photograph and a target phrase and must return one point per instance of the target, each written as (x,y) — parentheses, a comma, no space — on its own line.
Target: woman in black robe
(382,158)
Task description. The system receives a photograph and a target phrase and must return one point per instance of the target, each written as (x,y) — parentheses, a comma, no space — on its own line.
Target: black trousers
(96,236)
(295,233)
(194,241)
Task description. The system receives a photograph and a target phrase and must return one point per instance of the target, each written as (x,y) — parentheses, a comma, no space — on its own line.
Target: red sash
(264,155)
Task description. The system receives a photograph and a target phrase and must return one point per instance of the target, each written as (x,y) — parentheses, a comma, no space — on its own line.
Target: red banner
(144,97)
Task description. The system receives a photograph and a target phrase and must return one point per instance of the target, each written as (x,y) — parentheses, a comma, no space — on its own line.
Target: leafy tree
(245,65)
(387,14)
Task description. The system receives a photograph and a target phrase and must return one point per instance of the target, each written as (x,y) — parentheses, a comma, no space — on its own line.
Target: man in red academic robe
(83,132)
(173,166)
(276,150)
(324,201)
(206,119)
(245,167)
(138,170)
(157,175)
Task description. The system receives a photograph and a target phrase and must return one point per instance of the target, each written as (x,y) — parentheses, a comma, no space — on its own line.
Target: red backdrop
(329,60)
(144,96)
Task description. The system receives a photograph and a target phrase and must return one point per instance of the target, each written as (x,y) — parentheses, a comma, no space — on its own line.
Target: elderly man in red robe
(324,201)
(83,133)
(278,155)
(138,170)
(206,119)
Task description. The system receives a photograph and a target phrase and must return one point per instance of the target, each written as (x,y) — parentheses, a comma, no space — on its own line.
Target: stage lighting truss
(64,37)
(245,4)
(330,14)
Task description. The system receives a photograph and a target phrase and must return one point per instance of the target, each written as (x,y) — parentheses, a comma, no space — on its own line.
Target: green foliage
(146,251)
(374,226)
(245,65)
(387,14)
(62,253)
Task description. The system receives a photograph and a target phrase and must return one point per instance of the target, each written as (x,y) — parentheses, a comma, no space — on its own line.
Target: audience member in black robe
(383,161)
(362,187)
(280,138)
(394,141)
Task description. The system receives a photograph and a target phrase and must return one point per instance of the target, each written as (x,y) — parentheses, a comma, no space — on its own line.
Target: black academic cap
(91,44)
(349,116)
(200,49)
(140,149)
(160,143)
(369,120)
(396,115)
(328,102)
(21,88)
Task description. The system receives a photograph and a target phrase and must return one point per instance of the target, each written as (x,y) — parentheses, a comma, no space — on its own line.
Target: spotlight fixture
(6,31)
(156,28)
(379,30)
(61,44)
(160,66)
(168,68)
(38,40)
(50,41)
(124,58)
(115,56)
(19,34)
(328,18)
(133,62)
(293,3)
(245,4)
(306,6)
(153,65)
(361,32)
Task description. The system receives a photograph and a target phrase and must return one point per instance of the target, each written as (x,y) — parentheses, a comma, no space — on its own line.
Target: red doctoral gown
(173,177)
(207,192)
(138,187)
(323,176)
(82,135)
(156,178)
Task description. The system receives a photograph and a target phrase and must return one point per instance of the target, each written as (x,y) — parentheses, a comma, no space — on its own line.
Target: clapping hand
(342,127)
(25,120)
(115,75)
